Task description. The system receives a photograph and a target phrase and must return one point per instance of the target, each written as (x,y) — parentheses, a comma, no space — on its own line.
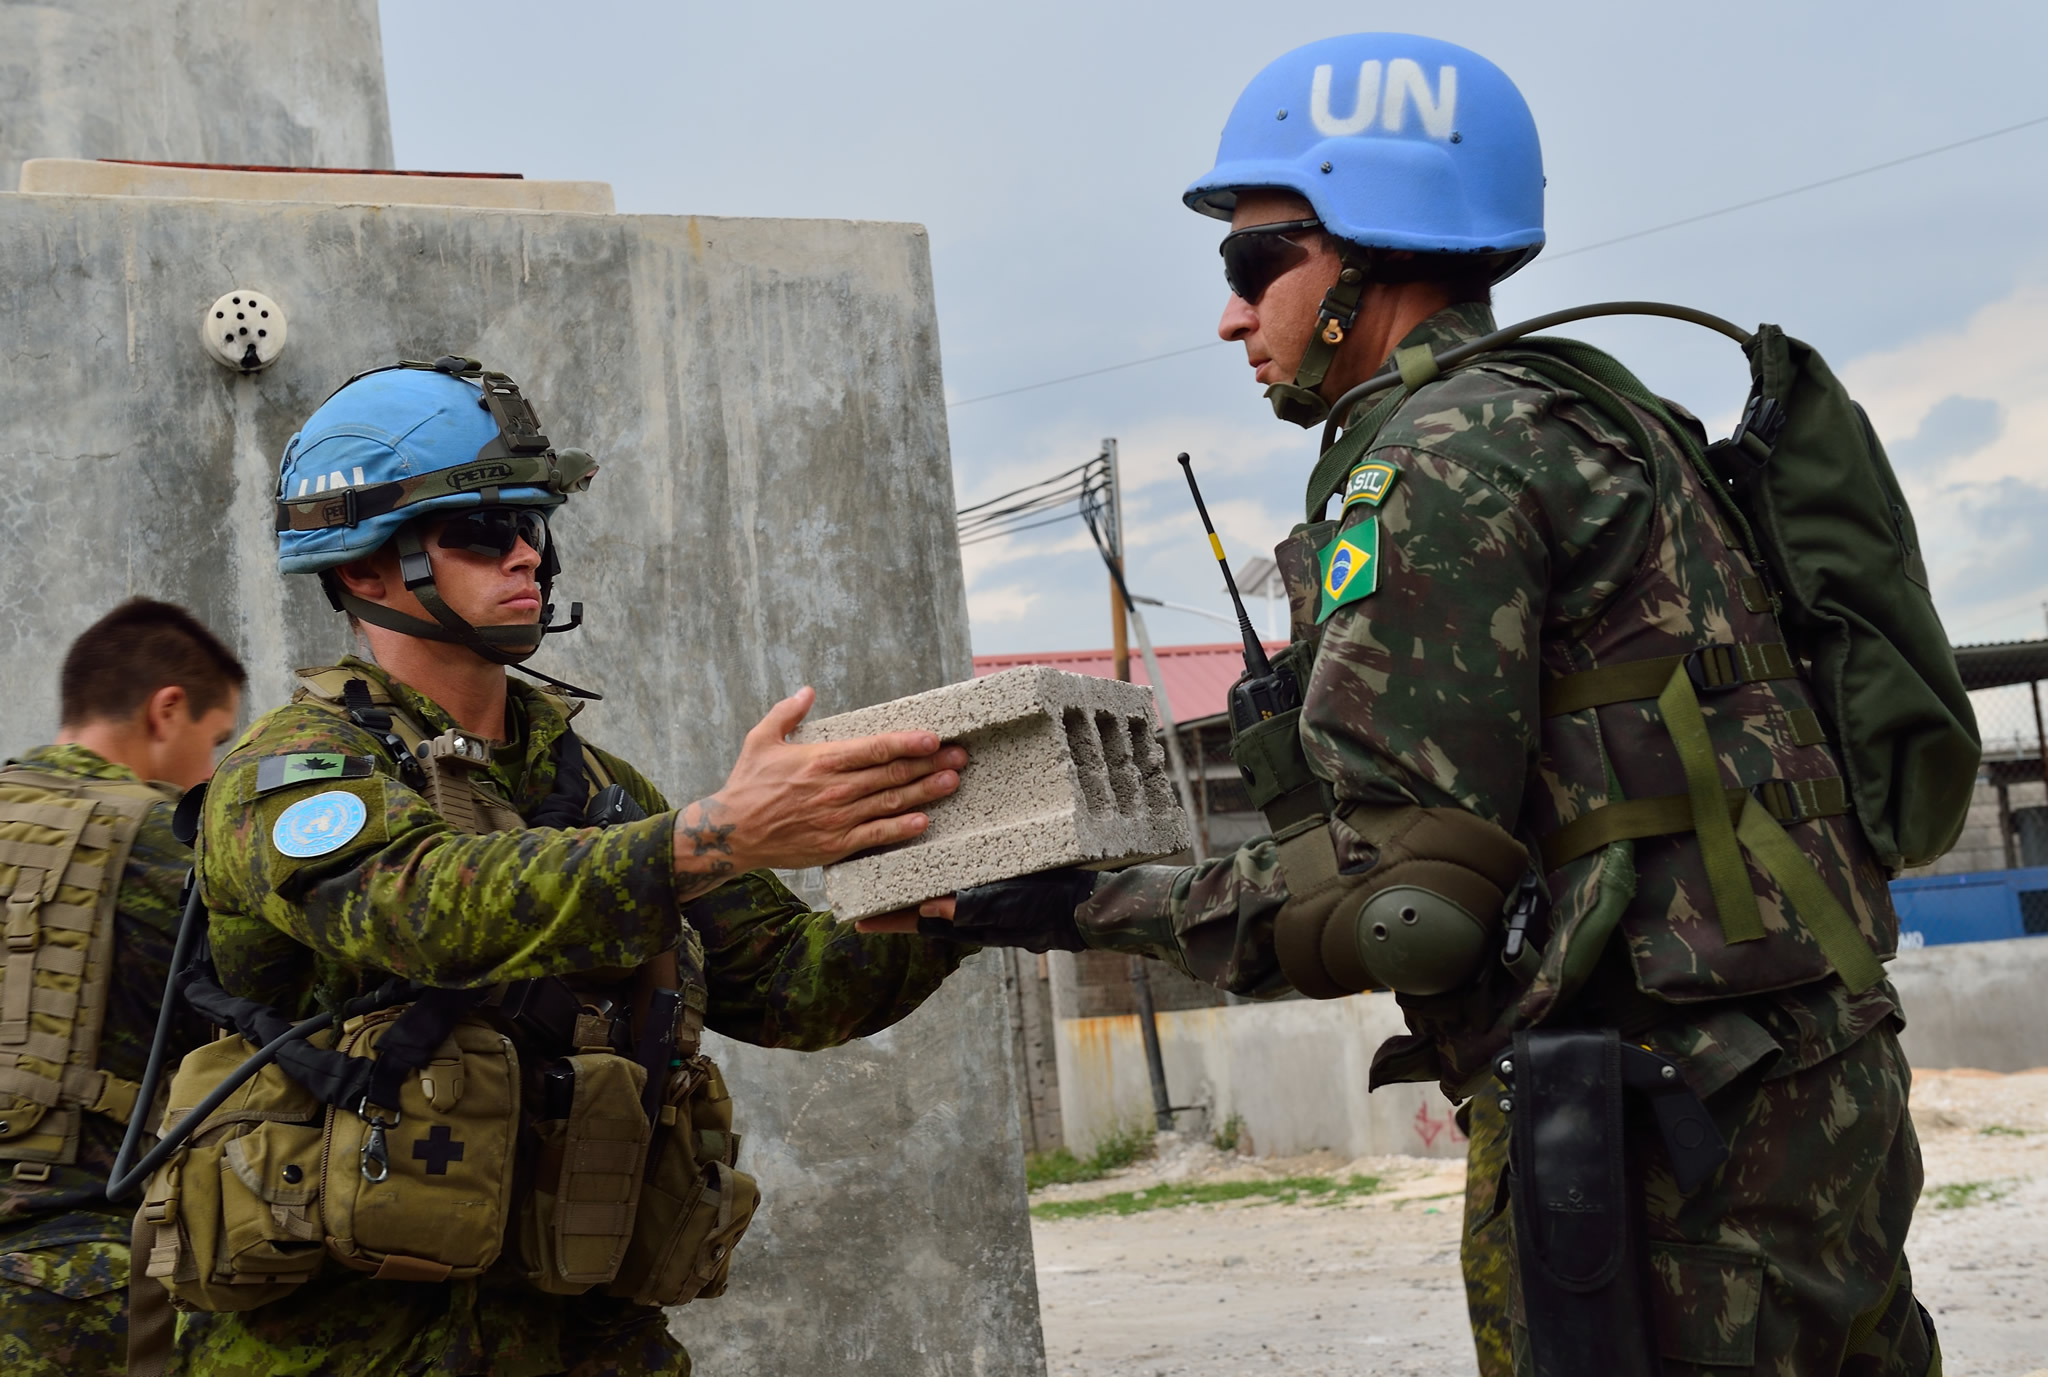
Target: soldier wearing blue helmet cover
(1539,761)
(506,1150)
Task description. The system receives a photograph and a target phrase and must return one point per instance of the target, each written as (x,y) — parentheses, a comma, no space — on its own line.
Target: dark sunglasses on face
(495,530)
(1255,256)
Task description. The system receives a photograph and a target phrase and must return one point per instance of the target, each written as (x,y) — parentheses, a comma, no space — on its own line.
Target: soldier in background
(1525,636)
(148,698)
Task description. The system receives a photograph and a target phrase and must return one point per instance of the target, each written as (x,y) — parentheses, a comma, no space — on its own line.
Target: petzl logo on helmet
(480,476)
(1404,82)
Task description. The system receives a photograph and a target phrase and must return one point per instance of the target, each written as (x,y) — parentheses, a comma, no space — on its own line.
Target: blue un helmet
(1398,143)
(420,439)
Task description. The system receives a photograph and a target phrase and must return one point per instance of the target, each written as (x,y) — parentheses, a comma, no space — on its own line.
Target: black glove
(1035,912)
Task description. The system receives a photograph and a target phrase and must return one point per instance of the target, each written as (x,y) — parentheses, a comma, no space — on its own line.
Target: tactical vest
(625,1174)
(1629,804)
(64,844)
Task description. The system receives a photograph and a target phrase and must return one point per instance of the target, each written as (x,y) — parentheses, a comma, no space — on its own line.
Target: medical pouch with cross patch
(420,1190)
(64,843)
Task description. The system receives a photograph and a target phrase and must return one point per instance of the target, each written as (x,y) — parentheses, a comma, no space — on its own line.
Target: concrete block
(1062,769)
(88,177)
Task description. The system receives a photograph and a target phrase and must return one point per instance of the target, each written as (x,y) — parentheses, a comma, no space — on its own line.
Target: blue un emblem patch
(318,825)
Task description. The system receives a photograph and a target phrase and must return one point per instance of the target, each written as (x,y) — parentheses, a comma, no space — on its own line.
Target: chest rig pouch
(627,1172)
(64,843)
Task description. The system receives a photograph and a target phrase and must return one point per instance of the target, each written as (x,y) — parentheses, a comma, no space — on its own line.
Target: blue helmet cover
(1397,141)
(396,424)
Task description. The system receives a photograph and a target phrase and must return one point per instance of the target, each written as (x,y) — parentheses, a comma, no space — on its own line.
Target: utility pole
(1120,652)
(1119,635)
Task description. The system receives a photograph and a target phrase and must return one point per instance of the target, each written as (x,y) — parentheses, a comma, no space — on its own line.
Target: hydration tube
(1452,357)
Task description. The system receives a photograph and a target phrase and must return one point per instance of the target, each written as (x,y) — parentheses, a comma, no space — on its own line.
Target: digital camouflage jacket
(408,895)
(1521,538)
(71,1207)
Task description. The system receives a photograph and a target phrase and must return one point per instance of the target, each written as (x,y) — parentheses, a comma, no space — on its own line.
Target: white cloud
(991,606)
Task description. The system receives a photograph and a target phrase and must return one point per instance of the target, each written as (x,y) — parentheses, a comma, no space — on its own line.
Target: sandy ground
(1369,1285)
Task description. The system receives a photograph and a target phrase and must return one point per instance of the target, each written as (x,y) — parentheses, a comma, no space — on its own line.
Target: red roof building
(1198,677)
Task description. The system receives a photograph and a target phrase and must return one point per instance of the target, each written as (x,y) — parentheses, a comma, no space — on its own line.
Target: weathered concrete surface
(82,177)
(1294,1072)
(211,81)
(1065,771)
(1974,1004)
(775,508)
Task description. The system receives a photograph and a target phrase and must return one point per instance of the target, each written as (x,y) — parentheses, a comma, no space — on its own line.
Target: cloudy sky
(1045,146)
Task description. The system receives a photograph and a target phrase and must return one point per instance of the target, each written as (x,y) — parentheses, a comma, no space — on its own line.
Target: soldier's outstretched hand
(791,806)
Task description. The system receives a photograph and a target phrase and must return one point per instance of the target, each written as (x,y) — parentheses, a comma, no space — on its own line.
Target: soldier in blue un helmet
(1523,649)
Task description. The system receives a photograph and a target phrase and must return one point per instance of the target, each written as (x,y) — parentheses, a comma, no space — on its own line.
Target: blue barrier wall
(1978,906)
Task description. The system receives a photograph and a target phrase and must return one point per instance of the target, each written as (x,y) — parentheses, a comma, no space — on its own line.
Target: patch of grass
(1958,1194)
(1287,1190)
(2001,1131)
(1226,1138)
(1120,1147)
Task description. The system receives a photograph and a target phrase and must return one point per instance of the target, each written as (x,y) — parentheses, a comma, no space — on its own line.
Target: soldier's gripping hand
(1035,912)
(792,806)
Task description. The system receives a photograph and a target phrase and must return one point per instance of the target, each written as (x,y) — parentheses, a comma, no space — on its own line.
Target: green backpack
(1807,486)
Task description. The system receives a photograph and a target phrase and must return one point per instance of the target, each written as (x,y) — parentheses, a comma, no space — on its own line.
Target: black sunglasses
(495,530)
(1255,256)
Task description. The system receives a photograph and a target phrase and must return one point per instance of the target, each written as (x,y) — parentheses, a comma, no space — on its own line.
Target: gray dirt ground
(1369,1285)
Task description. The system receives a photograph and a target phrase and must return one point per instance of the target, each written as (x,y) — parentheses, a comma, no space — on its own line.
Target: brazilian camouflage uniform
(63,1248)
(412,897)
(1523,540)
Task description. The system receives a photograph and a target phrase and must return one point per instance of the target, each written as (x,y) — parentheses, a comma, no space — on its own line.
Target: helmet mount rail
(1399,374)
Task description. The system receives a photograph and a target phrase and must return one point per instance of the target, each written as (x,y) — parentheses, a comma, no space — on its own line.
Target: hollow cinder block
(1062,769)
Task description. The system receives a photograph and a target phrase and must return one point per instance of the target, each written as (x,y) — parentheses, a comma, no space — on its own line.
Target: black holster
(1575,1182)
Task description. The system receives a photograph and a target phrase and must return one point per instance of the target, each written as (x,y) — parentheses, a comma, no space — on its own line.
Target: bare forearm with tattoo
(795,806)
(704,856)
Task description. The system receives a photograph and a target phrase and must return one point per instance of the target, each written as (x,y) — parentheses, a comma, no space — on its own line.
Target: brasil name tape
(1350,567)
(1369,484)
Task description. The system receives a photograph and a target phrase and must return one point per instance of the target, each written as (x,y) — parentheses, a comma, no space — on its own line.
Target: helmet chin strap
(501,645)
(1299,401)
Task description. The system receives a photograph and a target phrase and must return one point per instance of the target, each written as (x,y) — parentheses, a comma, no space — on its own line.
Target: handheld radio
(1262,692)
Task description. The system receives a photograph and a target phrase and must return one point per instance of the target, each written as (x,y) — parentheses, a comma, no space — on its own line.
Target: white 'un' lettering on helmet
(1405,81)
(1362,111)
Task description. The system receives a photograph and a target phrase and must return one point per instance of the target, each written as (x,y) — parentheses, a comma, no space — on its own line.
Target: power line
(1063,496)
(1076,377)
(1573,253)
(1794,191)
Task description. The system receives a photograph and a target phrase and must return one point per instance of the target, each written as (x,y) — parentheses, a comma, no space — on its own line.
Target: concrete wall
(217,81)
(775,507)
(1294,1072)
(1975,1004)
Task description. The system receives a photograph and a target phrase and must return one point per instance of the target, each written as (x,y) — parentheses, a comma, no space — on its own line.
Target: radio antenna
(1255,661)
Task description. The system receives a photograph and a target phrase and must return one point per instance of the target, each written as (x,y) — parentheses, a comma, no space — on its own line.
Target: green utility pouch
(233,1218)
(1807,470)
(576,1221)
(696,1202)
(1269,755)
(421,1190)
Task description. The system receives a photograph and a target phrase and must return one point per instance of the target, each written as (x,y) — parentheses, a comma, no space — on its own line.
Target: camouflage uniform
(1524,539)
(410,896)
(63,1248)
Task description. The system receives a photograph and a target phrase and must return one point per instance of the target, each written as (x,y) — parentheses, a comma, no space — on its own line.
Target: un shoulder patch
(309,767)
(1369,484)
(319,825)
(1350,567)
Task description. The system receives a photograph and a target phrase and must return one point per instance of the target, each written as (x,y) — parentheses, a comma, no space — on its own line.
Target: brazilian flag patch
(1369,484)
(1351,567)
